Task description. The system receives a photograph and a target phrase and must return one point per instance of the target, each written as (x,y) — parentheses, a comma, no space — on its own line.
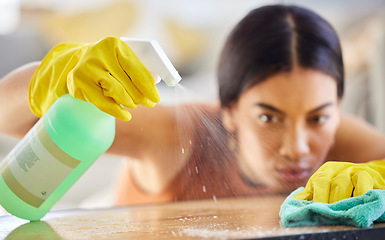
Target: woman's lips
(294,174)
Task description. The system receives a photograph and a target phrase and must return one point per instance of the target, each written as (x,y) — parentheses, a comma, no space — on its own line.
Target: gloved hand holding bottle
(106,73)
(71,133)
(335,181)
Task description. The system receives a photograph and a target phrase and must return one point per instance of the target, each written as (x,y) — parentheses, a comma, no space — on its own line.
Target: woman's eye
(319,119)
(268,118)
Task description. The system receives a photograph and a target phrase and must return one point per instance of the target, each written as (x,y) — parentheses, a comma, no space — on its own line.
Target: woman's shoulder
(357,141)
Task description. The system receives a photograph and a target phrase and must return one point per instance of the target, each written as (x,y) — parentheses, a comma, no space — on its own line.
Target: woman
(280,82)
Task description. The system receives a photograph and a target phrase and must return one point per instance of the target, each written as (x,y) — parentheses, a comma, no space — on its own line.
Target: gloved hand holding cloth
(335,181)
(106,73)
(339,193)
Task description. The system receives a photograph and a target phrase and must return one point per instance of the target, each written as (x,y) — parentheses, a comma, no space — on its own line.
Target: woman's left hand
(335,181)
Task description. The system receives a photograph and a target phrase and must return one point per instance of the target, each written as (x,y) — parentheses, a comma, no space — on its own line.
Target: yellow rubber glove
(106,73)
(335,181)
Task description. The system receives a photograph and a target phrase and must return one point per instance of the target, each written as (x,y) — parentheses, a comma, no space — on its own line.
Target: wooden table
(233,218)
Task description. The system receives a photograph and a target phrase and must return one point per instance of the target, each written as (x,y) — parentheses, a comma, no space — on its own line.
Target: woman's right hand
(106,73)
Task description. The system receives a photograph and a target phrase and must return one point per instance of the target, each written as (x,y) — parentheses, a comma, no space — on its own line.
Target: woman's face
(285,127)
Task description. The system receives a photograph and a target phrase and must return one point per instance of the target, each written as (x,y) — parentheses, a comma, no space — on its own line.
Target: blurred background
(191,33)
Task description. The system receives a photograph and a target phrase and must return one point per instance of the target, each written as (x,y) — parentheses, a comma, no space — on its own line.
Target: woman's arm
(357,141)
(150,139)
(151,133)
(150,136)
(16,118)
(151,130)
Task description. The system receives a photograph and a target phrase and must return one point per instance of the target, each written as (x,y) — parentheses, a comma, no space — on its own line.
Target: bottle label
(36,166)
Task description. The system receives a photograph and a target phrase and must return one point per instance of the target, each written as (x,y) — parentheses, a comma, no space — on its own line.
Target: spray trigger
(154,59)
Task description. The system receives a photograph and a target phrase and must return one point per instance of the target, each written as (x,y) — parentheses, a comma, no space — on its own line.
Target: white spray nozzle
(154,59)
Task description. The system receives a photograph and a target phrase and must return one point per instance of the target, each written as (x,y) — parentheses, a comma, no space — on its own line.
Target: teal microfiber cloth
(360,211)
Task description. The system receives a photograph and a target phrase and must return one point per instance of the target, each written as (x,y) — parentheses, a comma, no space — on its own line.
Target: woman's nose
(295,145)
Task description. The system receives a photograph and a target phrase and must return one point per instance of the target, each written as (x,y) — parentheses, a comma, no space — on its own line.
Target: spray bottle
(65,142)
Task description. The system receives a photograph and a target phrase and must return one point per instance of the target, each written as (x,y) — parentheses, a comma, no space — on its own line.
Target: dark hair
(273,39)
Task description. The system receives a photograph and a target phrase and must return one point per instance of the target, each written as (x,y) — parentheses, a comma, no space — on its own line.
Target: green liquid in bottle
(53,155)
